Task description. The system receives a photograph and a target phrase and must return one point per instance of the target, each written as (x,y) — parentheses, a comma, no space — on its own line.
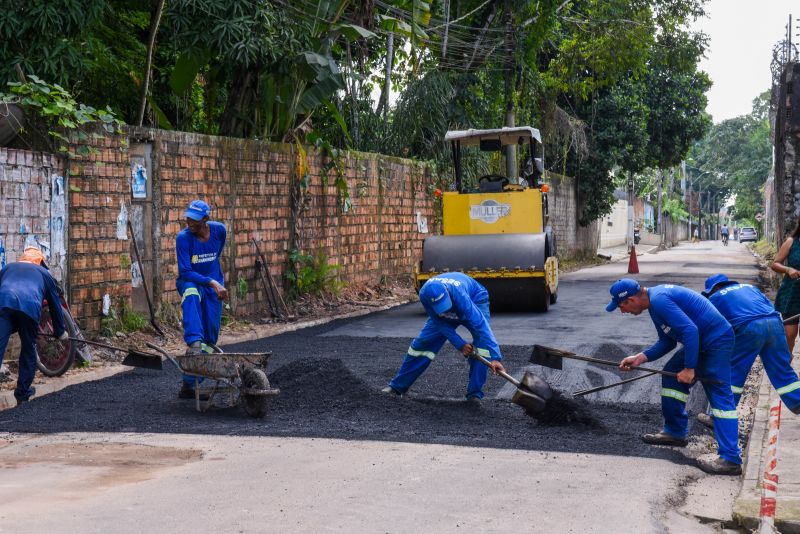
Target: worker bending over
(759,331)
(24,284)
(200,283)
(451,300)
(682,315)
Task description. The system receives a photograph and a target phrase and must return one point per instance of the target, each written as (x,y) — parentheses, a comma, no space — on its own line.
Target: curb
(747,505)
(7,399)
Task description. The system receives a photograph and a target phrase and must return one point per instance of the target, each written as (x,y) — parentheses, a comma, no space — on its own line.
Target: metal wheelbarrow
(241,377)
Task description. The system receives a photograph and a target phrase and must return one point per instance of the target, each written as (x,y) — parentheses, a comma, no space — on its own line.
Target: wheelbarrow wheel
(55,357)
(255,405)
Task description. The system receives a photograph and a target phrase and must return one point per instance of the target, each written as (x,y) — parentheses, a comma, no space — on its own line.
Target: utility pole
(659,219)
(629,236)
(511,150)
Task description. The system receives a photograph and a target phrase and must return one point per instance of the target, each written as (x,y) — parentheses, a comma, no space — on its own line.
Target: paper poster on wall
(58,211)
(122,222)
(139,181)
(422,223)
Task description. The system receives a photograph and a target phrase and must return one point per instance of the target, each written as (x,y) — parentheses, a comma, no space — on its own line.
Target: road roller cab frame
(498,233)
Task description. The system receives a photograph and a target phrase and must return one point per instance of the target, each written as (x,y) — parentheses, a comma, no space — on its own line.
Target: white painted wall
(613,226)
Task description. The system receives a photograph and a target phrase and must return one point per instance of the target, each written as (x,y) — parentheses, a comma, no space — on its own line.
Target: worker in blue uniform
(759,331)
(200,282)
(24,284)
(451,300)
(682,315)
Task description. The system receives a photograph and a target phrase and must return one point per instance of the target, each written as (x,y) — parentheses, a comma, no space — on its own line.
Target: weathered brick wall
(99,262)
(29,182)
(248,184)
(573,240)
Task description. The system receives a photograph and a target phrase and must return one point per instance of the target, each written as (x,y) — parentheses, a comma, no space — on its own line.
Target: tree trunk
(659,215)
(151,44)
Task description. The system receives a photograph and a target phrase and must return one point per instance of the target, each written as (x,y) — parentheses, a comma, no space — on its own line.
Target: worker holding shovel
(451,300)
(759,331)
(24,284)
(200,283)
(682,315)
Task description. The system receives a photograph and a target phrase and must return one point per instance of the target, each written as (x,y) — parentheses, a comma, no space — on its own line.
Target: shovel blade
(537,386)
(547,357)
(531,402)
(142,359)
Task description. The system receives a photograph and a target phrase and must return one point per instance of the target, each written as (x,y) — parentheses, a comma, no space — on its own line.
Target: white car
(748,233)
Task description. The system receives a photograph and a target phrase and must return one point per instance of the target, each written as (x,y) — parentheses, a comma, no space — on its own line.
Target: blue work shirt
(23,287)
(742,303)
(466,294)
(198,262)
(683,316)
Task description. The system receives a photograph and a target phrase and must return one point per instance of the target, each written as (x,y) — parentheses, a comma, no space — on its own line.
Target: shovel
(554,359)
(532,392)
(133,358)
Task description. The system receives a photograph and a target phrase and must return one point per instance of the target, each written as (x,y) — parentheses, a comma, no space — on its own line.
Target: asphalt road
(334,454)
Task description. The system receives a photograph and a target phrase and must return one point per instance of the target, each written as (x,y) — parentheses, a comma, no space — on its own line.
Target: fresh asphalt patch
(330,388)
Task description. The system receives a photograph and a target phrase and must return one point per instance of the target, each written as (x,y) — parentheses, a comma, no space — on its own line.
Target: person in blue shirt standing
(682,315)
(759,331)
(451,300)
(200,282)
(24,284)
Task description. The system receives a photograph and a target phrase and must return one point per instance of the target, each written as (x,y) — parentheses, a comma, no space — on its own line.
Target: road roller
(495,227)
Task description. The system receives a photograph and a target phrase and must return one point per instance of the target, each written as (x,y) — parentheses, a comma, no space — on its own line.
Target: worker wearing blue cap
(759,331)
(200,283)
(451,300)
(682,315)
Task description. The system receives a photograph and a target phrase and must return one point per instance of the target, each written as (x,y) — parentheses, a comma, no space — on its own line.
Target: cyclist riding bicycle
(725,232)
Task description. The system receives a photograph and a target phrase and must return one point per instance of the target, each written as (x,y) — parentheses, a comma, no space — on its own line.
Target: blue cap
(197,210)
(621,290)
(435,294)
(715,280)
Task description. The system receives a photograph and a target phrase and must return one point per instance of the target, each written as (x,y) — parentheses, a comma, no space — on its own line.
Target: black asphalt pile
(321,380)
(560,411)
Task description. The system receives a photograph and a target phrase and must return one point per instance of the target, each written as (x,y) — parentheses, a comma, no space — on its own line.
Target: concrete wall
(614,226)
(32,206)
(573,240)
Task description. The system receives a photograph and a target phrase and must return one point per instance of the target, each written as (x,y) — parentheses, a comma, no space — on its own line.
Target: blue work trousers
(16,321)
(767,338)
(713,364)
(202,313)
(425,347)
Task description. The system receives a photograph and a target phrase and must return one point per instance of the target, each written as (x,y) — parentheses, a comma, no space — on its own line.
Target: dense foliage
(735,157)
(612,84)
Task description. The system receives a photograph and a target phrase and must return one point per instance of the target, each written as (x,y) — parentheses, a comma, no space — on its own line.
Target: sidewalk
(747,505)
(620,252)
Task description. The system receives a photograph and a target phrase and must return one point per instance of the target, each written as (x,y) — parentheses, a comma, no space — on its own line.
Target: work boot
(195,348)
(472,400)
(662,438)
(389,390)
(20,400)
(706,420)
(719,466)
(187,392)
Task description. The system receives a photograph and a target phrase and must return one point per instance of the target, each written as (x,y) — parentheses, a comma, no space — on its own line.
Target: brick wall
(248,184)
(32,206)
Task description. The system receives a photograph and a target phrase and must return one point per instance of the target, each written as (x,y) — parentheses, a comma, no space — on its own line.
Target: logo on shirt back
(204,258)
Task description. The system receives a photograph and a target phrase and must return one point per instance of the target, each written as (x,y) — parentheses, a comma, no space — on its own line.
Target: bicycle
(725,239)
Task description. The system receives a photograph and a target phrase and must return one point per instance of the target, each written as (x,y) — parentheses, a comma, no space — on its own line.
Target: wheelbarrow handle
(475,356)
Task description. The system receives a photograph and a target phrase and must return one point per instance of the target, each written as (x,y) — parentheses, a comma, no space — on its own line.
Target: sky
(742,34)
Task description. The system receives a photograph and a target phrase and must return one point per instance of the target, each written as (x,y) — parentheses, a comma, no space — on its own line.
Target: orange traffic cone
(633,265)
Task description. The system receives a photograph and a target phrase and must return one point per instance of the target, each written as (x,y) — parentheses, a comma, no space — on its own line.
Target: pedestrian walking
(200,283)
(696,235)
(24,285)
(787,301)
(451,300)
(759,332)
(683,316)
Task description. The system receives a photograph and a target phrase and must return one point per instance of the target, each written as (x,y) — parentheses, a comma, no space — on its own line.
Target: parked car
(747,233)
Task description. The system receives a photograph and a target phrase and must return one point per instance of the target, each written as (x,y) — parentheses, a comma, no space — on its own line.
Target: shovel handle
(793,317)
(638,368)
(609,386)
(484,361)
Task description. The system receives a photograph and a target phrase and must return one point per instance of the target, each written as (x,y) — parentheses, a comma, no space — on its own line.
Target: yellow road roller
(496,227)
